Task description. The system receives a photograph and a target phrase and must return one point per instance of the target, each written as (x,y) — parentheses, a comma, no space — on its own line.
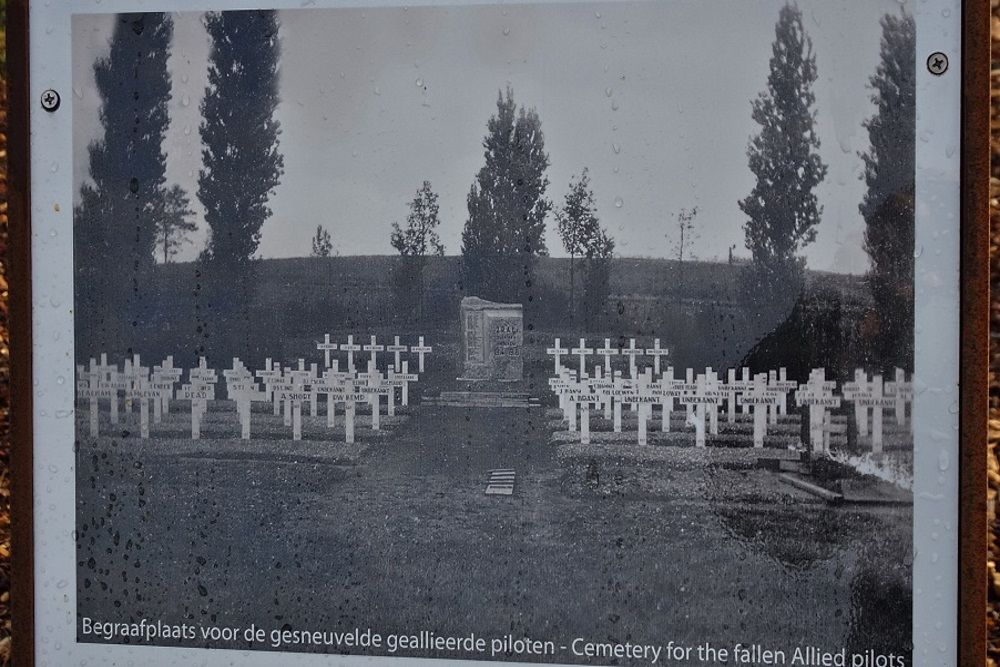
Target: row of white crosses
(292,388)
(101,381)
(373,348)
(286,388)
(701,395)
(608,351)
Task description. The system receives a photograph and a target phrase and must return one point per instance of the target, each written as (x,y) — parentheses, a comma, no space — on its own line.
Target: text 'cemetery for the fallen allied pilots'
(611,425)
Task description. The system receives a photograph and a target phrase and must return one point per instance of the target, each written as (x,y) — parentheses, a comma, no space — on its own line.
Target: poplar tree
(887,206)
(241,162)
(115,222)
(241,168)
(504,233)
(782,208)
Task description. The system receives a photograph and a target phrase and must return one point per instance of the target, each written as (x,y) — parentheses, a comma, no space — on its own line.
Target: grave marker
(89,387)
(350,347)
(112,381)
(374,348)
(583,352)
(136,374)
(852,391)
(761,398)
(164,377)
(705,394)
(902,391)
(199,390)
(817,393)
(241,388)
(421,350)
(557,352)
(876,401)
(327,348)
(397,350)
(607,352)
(632,352)
(734,387)
(656,352)
(667,389)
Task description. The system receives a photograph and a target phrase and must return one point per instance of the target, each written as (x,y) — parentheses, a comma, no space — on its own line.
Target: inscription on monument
(492,338)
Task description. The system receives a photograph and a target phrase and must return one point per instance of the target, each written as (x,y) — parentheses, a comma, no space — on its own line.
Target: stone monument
(492,339)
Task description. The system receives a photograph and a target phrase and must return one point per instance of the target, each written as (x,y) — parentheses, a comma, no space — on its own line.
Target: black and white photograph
(556,332)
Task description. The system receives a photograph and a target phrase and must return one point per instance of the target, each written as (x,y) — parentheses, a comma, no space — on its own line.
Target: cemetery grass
(396,534)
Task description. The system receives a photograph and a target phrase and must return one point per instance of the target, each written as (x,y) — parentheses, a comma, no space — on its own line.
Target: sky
(654,98)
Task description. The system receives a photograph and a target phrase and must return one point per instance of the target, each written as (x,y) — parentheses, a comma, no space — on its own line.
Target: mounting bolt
(50,100)
(937,63)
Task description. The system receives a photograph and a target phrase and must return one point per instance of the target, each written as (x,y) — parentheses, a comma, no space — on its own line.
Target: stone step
(471,399)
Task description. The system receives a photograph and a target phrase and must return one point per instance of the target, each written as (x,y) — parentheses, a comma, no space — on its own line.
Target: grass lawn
(396,535)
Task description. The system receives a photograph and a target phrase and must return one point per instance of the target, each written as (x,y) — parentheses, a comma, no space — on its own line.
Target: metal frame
(970,614)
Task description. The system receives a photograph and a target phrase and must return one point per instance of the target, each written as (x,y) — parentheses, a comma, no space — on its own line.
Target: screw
(50,100)
(937,63)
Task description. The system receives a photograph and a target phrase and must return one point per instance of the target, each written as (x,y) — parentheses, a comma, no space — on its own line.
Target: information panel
(589,333)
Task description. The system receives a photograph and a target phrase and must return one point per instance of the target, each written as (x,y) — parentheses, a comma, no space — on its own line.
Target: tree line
(129,215)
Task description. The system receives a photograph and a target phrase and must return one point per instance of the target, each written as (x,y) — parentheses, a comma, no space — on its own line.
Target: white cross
(632,352)
(557,352)
(583,351)
(817,393)
(374,349)
(421,350)
(350,348)
(608,352)
(656,352)
(327,347)
(761,398)
(396,349)
(852,391)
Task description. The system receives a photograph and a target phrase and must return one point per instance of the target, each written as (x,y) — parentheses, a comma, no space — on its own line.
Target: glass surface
(561,333)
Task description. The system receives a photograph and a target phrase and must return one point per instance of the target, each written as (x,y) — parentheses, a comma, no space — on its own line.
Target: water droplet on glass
(918,251)
(615,169)
(419,82)
(60,380)
(953,409)
(78,92)
(619,202)
(609,92)
(949,150)
(54,167)
(62,583)
(616,148)
(187,130)
(378,91)
(186,101)
(946,13)
(506,31)
(597,15)
(943,460)
(614,105)
(48,31)
(55,301)
(184,78)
